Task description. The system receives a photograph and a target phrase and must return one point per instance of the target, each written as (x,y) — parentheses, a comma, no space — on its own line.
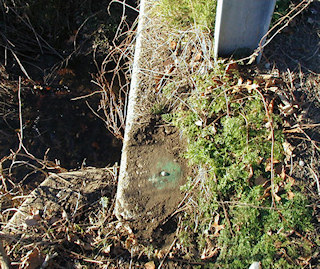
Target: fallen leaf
(268,165)
(250,171)
(150,265)
(277,197)
(278,168)
(287,110)
(217,227)
(34,259)
(290,180)
(33,220)
(266,193)
(30,221)
(66,71)
(231,68)
(173,45)
(283,173)
(290,195)
(130,242)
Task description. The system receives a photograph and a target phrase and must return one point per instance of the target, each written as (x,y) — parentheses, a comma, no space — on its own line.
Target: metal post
(240,25)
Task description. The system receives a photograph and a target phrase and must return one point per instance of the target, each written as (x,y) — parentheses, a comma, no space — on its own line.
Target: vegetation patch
(246,208)
(184,13)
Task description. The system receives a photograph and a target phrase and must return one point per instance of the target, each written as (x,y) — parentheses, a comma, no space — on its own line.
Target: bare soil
(153,147)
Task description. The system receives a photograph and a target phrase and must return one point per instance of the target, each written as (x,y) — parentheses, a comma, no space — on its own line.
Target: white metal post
(240,25)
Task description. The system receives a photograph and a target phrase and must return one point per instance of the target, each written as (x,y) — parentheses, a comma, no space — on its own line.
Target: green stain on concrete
(167,174)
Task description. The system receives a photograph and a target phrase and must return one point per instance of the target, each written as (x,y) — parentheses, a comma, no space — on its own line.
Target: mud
(155,172)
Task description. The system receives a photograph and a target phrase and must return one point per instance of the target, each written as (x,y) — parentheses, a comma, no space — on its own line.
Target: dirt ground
(154,148)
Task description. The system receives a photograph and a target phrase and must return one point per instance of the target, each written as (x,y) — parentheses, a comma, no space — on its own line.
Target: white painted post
(240,25)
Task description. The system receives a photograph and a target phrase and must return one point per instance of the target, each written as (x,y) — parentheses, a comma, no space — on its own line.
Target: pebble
(255,265)
(301,163)
(164,173)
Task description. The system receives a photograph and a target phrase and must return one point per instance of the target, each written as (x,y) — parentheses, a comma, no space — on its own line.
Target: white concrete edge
(123,181)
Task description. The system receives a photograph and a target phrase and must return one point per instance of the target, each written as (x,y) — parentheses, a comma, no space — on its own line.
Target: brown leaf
(218,82)
(173,45)
(34,259)
(290,195)
(150,265)
(130,242)
(268,165)
(288,149)
(250,171)
(290,180)
(217,227)
(278,168)
(231,68)
(283,173)
(33,220)
(30,221)
(266,193)
(277,197)
(66,71)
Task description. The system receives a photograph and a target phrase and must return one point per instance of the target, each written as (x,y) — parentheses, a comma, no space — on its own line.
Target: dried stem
(4,259)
